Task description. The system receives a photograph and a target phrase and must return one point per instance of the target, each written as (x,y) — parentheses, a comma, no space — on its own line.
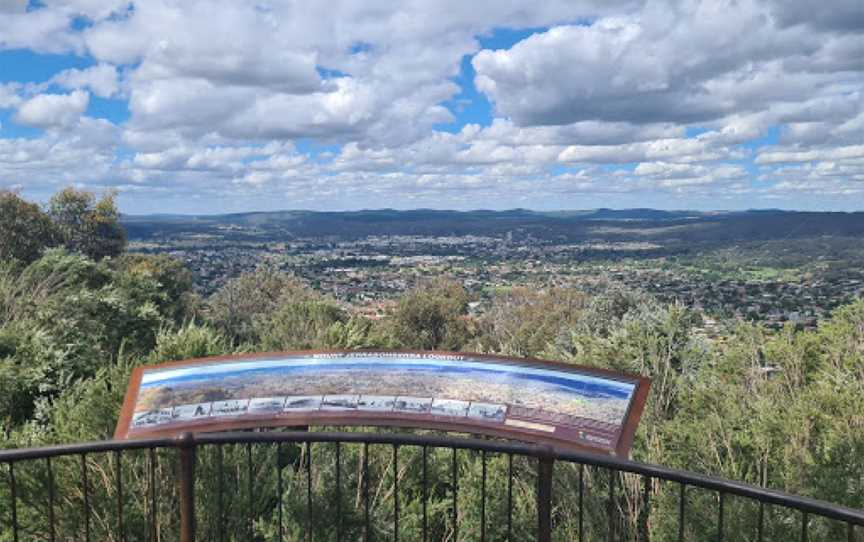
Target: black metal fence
(382,486)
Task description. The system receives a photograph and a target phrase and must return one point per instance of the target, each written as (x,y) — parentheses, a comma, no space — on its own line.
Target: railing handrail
(731,487)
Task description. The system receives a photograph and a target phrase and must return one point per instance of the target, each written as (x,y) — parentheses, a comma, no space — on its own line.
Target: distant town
(778,280)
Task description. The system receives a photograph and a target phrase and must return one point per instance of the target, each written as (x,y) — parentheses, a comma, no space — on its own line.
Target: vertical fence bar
(186,449)
(545,467)
(483,497)
(119,490)
(720,518)
(85,491)
(308,491)
(395,493)
(646,508)
(681,496)
(850,532)
(279,491)
(581,502)
(611,506)
(761,526)
(151,467)
(509,497)
(425,493)
(250,521)
(13,497)
(338,491)
(455,475)
(51,526)
(220,493)
(805,520)
(366,531)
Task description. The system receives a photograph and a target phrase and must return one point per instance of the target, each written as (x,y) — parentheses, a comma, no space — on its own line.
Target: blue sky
(197,107)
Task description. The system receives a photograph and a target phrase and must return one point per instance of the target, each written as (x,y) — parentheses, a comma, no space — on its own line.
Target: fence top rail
(731,487)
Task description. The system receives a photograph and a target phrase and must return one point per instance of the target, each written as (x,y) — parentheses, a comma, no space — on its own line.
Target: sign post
(557,404)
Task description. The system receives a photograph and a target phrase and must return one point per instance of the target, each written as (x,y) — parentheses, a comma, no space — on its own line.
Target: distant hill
(669,227)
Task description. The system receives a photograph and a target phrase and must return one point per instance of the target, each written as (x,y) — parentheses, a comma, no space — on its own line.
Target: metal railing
(136,490)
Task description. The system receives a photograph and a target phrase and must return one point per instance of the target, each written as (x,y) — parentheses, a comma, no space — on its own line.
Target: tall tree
(25,231)
(87,225)
(433,315)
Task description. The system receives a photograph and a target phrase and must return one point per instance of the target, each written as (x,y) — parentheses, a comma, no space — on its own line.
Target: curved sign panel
(539,401)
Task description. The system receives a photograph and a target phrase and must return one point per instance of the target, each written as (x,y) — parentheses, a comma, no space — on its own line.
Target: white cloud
(81,153)
(682,150)
(689,61)
(53,110)
(678,175)
(220,92)
(43,30)
(836,153)
(100,79)
(9,97)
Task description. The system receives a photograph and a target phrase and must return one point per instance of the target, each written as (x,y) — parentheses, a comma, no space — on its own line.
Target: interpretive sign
(541,401)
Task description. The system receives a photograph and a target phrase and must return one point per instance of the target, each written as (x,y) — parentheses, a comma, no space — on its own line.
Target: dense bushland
(781,410)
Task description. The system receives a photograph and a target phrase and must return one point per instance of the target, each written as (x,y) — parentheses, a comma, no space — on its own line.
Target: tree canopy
(87,224)
(25,230)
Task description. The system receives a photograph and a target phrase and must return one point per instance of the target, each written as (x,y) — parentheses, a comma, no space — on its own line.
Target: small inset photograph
(266,405)
(487,412)
(414,405)
(191,412)
(377,403)
(339,402)
(450,407)
(233,407)
(298,403)
(151,417)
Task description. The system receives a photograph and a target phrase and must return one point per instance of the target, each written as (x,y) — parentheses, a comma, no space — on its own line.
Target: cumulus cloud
(836,153)
(613,98)
(82,153)
(53,110)
(100,79)
(9,96)
(685,62)
(842,15)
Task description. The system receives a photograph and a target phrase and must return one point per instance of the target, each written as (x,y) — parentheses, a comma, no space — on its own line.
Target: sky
(186,106)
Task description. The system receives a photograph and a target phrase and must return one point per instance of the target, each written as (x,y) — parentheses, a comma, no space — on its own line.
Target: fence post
(546,464)
(186,447)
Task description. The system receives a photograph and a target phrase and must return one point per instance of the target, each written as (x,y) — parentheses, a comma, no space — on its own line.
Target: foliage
(24,229)
(525,322)
(168,275)
(432,316)
(87,225)
(247,299)
(188,342)
(298,325)
(64,317)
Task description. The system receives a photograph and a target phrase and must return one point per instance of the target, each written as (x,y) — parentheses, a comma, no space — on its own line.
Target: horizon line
(482,210)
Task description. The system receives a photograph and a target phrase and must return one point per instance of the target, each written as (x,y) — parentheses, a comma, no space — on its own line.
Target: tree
(172,280)
(298,325)
(251,297)
(432,316)
(87,225)
(525,322)
(25,231)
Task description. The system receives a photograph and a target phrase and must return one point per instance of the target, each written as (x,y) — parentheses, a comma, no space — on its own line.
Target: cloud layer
(196,106)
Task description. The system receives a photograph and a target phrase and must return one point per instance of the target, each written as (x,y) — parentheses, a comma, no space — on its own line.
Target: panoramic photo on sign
(527,399)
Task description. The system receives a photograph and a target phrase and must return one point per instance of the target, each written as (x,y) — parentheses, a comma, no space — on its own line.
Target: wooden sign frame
(448,413)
